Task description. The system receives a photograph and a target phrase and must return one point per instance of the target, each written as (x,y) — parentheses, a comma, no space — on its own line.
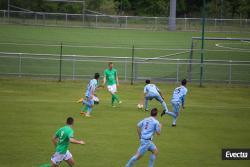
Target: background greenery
(185,8)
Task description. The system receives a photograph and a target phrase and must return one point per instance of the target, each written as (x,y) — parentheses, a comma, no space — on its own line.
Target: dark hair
(97,75)
(110,63)
(147,81)
(154,112)
(70,121)
(184,82)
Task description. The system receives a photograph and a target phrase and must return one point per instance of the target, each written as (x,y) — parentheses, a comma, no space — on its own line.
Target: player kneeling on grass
(178,99)
(152,92)
(90,96)
(146,129)
(61,140)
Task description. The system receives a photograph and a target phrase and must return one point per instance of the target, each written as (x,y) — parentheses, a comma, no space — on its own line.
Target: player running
(146,130)
(111,79)
(61,140)
(152,92)
(90,97)
(178,99)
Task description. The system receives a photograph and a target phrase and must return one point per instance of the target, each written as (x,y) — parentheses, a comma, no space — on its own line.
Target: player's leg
(176,112)
(56,159)
(90,107)
(115,96)
(154,151)
(147,98)
(69,159)
(172,114)
(140,152)
(163,103)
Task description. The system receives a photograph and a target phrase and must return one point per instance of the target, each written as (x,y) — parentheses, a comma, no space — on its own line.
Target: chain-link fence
(126,22)
(73,67)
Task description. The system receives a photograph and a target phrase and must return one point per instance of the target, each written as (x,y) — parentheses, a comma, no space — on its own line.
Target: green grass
(31,111)
(118,38)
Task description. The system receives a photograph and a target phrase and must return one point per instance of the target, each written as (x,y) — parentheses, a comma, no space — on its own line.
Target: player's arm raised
(74,141)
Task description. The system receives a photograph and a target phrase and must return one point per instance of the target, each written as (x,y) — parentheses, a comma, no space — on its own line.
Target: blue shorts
(176,106)
(154,96)
(146,145)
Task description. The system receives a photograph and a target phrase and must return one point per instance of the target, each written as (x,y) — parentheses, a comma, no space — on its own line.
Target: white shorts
(112,88)
(57,158)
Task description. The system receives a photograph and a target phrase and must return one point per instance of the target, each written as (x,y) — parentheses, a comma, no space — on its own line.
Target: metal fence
(74,67)
(125,22)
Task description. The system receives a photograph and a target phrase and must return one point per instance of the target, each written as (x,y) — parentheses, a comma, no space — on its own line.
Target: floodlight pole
(202,42)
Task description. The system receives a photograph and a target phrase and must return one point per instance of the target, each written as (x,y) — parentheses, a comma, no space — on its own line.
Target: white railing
(124,22)
(162,69)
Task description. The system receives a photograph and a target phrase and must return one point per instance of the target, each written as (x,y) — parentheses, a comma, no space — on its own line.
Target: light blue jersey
(93,83)
(148,128)
(151,89)
(179,95)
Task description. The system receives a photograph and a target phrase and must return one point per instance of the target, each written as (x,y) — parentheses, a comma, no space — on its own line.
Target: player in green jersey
(61,140)
(111,80)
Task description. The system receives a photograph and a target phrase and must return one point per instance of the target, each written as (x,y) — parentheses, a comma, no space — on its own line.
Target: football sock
(113,99)
(116,97)
(131,161)
(84,109)
(45,165)
(171,114)
(164,106)
(152,160)
(146,104)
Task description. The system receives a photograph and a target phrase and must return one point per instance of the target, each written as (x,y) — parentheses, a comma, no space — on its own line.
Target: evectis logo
(235,154)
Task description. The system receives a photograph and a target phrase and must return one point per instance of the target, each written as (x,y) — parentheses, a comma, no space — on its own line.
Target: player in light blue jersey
(178,100)
(146,130)
(152,92)
(89,94)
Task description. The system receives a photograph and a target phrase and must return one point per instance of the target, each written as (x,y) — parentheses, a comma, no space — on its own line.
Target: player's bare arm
(54,140)
(74,141)
(139,132)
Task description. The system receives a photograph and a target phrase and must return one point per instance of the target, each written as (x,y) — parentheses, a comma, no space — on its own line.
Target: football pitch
(215,117)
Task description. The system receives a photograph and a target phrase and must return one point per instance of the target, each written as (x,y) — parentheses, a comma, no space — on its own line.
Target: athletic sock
(171,114)
(84,108)
(131,161)
(116,98)
(113,99)
(45,165)
(164,106)
(152,160)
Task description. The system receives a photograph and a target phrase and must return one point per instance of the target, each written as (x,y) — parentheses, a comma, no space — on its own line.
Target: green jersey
(110,76)
(63,134)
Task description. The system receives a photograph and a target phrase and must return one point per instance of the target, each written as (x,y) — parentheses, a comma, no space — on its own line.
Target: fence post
(215,24)
(230,72)
(177,70)
(74,67)
(185,24)
(66,18)
(125,70)
(60,64)
(155,23)
(126,21)
(190,62)
(35,18)
(96,21)
(20,65)
(132,64)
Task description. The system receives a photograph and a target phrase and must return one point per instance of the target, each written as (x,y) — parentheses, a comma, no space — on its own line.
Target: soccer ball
(140,106)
